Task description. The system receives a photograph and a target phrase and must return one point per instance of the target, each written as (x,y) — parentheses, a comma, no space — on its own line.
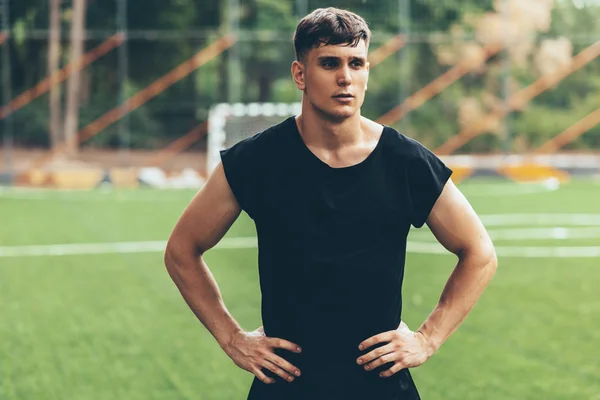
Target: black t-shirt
(332,244)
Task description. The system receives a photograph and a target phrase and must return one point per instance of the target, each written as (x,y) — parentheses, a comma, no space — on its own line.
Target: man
(333,196)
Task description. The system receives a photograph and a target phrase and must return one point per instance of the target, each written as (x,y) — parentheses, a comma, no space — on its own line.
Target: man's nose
(344,77)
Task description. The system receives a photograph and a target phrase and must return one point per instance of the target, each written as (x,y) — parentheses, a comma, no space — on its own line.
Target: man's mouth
(344,95)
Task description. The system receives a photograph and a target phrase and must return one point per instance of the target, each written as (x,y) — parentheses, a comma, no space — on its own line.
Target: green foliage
(265,53)
(438,15)
(30,125)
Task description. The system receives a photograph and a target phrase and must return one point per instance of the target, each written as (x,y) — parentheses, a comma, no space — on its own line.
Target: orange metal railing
(160,85)
(153,90)
(518,100)
(571,133)
(60,75)
(387,49)
(179,145)
(435,87)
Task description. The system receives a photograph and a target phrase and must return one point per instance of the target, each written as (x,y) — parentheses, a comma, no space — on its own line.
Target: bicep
(455,224)
(208,217)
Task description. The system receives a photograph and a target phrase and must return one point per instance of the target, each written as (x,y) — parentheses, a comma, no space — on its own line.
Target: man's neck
(330,134)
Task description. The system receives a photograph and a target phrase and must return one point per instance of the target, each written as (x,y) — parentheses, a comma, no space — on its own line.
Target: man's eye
(329,64)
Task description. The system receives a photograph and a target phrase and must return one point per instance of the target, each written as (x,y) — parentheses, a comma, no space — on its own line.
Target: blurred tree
(265,52)
(74,83)
(53,65)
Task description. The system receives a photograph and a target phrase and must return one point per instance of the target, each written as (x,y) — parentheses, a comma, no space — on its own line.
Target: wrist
(227,341)
(429,343)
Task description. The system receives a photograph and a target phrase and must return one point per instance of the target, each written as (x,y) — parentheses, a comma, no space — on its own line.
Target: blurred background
(106,103)
(116,83)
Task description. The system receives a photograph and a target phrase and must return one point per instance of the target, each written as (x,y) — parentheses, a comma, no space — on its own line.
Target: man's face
(334,79)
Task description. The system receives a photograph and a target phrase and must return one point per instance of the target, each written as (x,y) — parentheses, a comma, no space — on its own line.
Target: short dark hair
(329,26)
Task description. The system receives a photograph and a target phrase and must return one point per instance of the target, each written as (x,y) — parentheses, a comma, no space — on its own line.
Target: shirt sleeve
(240,163)
(427,176)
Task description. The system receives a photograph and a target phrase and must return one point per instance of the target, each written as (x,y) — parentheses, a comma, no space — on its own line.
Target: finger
(277,371)
(379,338)
(284,344)
(372,355)
(394,369)
(283,364)
(391,357)
(260,375)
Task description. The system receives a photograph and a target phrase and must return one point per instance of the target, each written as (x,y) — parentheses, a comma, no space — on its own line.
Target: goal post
(231,123)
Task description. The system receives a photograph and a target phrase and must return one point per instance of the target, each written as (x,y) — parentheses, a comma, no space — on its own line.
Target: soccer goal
(230,123)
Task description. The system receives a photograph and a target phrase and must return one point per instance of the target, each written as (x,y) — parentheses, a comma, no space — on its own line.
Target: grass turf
(114,326)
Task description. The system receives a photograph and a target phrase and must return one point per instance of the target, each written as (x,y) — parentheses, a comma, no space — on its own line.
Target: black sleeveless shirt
(332,244)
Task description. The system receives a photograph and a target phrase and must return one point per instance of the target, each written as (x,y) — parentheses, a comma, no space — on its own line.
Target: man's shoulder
(400,144)
(266,139)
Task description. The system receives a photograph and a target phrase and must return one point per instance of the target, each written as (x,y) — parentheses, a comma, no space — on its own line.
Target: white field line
(512,251)
(82,197)
(26,193)
(589,220)
(541,219)
(250,242)
(484,190)
(111,248)
(549,233)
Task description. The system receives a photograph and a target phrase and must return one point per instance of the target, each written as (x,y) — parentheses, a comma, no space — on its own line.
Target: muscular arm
(458,229)
(203,223)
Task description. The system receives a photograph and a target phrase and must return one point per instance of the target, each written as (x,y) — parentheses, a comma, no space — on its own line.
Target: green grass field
(113,325)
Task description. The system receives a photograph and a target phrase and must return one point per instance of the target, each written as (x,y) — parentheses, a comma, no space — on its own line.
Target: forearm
(464,287)
(201,292)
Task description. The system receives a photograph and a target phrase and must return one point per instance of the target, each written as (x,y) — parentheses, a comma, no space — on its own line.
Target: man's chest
(304,204)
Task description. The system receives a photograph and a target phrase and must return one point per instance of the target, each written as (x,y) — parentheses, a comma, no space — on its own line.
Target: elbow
(179,262)
(492,262)
(489,262)
(181,254)
(170,259)
(173,255)
(483,257)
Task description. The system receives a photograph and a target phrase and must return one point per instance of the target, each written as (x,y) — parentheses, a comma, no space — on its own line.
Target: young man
(333,196)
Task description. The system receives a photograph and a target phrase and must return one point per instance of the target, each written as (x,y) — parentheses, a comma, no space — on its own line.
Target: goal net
(231,123)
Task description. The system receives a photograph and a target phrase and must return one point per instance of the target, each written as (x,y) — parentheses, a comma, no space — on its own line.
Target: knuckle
(265,351)
(282,374)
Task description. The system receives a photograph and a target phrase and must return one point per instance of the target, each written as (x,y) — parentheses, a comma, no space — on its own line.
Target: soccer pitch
(101,319)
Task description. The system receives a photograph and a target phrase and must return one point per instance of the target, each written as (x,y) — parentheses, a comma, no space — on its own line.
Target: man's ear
(298,73)
(368,65)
